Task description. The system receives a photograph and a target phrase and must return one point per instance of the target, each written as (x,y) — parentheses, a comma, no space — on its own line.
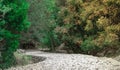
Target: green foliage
(49,38)
(89,47)
(41,15)
(89,25)
(82,25)
(13,20)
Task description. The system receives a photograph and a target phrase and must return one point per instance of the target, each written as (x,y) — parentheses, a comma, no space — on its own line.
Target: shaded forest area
(76,26)
(88,27)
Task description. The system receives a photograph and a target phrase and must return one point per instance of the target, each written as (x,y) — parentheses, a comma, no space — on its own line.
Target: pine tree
(12,22)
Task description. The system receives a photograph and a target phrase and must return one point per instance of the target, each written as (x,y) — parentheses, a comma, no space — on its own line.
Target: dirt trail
(60,61)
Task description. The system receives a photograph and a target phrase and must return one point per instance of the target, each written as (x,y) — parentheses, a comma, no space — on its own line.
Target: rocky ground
(60,61)
(117,58)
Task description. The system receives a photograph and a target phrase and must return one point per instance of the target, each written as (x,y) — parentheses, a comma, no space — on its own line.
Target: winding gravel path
(58,61)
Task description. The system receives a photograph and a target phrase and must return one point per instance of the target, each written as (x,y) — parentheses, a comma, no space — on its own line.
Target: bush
(79,20)
(88,47)
(13,20)
(22,59)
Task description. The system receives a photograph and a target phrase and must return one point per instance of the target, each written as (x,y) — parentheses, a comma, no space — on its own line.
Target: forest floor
(62,61)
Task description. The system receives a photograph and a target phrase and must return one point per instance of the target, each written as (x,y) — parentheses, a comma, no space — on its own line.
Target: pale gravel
(60,61)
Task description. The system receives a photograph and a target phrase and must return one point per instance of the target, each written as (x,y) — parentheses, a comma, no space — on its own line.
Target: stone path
(58,61)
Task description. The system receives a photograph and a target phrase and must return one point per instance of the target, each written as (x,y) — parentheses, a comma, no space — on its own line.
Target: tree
(87,26)
(13,21)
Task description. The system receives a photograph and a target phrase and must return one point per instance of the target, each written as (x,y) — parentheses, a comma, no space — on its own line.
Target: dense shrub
(13,20)
(88,25)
